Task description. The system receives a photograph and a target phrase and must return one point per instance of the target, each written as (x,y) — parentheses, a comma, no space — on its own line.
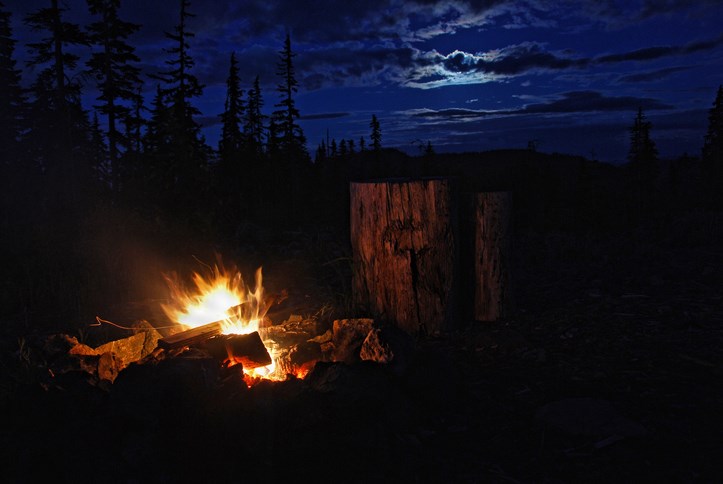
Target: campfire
(220,314)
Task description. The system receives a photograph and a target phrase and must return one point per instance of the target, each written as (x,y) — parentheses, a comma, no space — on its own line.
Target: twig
(100,321)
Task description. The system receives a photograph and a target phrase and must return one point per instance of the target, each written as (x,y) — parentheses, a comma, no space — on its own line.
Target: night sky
(465,75)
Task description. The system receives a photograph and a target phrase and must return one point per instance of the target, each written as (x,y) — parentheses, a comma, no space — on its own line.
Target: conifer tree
(320,157)
(429,150)
(713,144)
(643,154)
(291,139)
(12,96)
(118,79)
(376,134)
(254,120)
(100,153)
(58,126)
(12,106)
(343,151)
(231,141)
(713,150)
(52,52)
(186,152)
(643,166)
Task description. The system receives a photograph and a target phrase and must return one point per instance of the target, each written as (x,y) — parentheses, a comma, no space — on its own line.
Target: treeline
(79,185)
(78,182)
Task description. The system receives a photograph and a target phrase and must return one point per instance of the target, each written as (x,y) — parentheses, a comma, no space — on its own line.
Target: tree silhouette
(52,50)
(230,144)
(233,175)
(12,106)
(58,129)
(186,153)
(713,150)
(254,120)
(155,174)
(12,97)
(99,151)
(642,164)
(376,134)
(291,139)
(643,154)
(118,79)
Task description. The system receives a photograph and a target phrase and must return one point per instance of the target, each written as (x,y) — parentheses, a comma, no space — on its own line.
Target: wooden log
(190,336)
(200,333)
(492,298)
(403,235)
(247,349)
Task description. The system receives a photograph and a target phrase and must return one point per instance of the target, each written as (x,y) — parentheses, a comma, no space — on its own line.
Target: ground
(609,370)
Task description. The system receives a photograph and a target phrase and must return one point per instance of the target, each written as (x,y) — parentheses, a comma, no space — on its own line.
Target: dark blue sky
(466,75)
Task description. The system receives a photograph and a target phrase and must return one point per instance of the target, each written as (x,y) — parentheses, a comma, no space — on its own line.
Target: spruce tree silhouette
(58,128)
(642,164)
(713,152)
(253,128)
(229,146)
(291,139)
(376,140)
(12,97)
(287,149)
(186,154)
(233,175)
(117,78)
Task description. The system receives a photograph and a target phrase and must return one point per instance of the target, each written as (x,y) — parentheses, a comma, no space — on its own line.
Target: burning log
(191,336)
(199,334)
(406,262)
(247,349)
(492,247)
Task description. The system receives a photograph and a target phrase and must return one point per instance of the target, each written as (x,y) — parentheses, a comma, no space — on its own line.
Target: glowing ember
(223,296)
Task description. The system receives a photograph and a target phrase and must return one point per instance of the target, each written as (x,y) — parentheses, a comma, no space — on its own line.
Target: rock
(388,345)
(587,417)
(292,331)
(348,336)
(135,347)
(109,365)
(375,348)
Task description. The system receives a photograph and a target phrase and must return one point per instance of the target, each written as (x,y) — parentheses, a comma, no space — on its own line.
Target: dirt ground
(608,371)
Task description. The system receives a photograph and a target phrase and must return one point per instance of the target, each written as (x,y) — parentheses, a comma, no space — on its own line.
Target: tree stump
(404,242)
(492,255)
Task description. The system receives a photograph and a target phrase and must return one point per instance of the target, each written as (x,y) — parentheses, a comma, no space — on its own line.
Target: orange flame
(222,296)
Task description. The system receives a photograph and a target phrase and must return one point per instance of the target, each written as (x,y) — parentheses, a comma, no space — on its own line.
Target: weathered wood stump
(492,295)
(403,236)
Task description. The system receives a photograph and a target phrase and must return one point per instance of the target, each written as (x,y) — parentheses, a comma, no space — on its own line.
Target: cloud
(568,102)
(309,117)
(459,67)
(587,101)
(651,53)
(652,76)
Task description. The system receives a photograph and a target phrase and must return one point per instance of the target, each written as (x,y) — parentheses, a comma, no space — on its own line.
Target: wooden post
(492,299)
(404,242)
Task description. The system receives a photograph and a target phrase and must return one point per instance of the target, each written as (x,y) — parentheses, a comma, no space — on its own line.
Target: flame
(213,296)
(222,296)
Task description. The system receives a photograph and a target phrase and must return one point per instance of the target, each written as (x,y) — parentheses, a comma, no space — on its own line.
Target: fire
(222,296)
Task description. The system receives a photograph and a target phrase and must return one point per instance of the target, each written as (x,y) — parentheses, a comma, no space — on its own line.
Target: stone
(348,336)
(375,348)
(109,365)
(135,347)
